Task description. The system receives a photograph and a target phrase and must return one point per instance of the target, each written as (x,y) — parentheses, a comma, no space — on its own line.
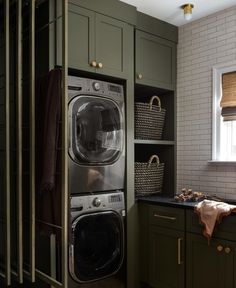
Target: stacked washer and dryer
(96,183)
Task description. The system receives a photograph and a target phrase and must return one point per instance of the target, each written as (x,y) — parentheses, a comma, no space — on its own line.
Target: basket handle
(153,157)
(158,101)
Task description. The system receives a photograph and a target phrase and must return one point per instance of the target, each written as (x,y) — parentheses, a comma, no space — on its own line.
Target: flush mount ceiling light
(187,11)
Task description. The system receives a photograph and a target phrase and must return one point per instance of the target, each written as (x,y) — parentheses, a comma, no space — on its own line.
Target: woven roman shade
(228,100)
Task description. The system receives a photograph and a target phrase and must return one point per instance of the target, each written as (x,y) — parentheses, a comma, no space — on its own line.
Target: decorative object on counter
(188,195)
(211,213)
(149,177)
(149,119)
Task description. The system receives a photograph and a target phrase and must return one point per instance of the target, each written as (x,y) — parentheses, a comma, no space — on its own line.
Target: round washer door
(98,246)
(96,130)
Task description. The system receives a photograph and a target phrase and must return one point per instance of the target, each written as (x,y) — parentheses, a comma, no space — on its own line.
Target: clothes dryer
(96,112)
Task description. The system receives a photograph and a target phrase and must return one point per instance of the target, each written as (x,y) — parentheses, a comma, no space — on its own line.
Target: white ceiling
(170,11)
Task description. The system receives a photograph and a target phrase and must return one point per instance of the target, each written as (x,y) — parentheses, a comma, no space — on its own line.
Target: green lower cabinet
(210,266)
(166,258)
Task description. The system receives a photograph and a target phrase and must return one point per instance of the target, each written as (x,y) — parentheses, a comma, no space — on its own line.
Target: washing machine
(96,250)
(96,112)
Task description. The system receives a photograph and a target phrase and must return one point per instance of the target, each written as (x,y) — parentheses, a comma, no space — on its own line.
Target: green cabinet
(162,246)
(97,43)
(210,266)
(166,258)
(174,253)
(155,61)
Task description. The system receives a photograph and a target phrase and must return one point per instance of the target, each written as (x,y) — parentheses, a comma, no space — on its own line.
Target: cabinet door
(81,35)
(112,46)
(155,61)
(166,258)
(205,264)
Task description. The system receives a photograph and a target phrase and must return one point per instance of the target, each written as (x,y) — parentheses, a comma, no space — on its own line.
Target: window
(224,113)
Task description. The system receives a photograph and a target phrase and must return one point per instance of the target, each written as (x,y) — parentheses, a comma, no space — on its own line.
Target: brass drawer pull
(164,217)
(140,76)
(179,251)
(220,248)
(227,250)
(93,63)
(99,65)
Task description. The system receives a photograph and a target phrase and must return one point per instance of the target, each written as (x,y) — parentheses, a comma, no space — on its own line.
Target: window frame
(217,72)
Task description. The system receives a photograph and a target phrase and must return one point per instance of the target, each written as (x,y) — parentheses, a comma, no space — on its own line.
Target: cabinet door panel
(155,61)
(164,269)
(81,34)
(111,45)
(204,263)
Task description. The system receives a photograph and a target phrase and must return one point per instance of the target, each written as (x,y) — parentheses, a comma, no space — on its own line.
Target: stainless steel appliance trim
(64,194)
(71,255)
(19,144)
(32,139)
(7,146)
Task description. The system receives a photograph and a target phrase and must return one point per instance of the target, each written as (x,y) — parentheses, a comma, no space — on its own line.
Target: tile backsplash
(202,44)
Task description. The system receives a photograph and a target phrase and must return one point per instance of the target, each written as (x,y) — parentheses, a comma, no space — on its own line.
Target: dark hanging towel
(48,143)
(228,100)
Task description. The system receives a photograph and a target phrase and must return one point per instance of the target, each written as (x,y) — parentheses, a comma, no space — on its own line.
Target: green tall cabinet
(97,43)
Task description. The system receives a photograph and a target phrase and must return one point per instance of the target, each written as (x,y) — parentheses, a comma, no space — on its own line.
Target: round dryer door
(98,246)
(96,130)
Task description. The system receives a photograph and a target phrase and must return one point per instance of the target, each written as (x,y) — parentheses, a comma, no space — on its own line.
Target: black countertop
(170,201)
(165,201)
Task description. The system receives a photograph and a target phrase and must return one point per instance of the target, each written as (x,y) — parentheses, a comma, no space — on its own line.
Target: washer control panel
(92,203)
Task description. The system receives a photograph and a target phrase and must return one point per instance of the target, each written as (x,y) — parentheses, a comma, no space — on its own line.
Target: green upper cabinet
(97,43)
(112,45)
(155,61)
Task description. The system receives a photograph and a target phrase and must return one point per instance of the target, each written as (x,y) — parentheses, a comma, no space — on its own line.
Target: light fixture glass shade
(188,16)
(187,11)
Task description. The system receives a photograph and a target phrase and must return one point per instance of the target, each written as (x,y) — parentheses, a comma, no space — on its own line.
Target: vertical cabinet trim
(7,147)
(32,140)
(19,144)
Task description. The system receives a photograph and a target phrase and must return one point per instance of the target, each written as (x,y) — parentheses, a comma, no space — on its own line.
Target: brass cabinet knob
(93,64)
(220,248)
(227,250)
(140,76)
(99,65)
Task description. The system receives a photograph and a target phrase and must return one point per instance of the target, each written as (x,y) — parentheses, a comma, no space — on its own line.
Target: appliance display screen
(114,88)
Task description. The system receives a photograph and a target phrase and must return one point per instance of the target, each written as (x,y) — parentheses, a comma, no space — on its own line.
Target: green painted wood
(112,45)
(157,27)
(155,61)
(81,39)
(168,217)
(164,270)
(205,266)
(143,236)
(113,8)
(95,37)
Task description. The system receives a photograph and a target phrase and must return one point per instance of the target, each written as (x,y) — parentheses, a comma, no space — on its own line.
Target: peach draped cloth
(211,213)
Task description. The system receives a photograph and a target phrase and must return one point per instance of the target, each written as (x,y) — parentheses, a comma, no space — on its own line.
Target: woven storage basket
(149,119)
(149,177)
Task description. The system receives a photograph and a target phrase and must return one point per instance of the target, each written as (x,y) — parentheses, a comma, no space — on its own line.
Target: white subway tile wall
(202,44)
